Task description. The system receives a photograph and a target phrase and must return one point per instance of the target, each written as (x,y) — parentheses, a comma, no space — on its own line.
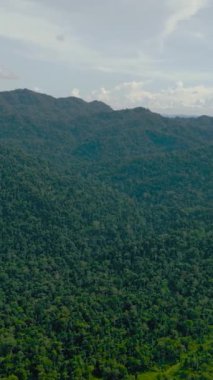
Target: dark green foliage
(106,255)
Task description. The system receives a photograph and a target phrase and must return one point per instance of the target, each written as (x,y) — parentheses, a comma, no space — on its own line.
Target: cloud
(29,24)
(43,25)
(38,89)
(110,37)
(7,74)
(181,10)
(76,92)
(172,100)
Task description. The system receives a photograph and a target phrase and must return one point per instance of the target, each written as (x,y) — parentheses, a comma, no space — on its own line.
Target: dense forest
(106,249)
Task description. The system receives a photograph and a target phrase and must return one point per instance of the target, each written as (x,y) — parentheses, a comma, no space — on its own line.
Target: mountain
(27,101)
(106,254)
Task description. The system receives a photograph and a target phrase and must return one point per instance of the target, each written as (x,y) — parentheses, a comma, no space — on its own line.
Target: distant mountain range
(93,130)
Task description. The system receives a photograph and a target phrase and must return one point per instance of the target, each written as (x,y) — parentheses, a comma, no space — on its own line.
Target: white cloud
(110,37)
(43,35)
(178,98)
(181,10)
(76,92)
(38,89)
(47,38)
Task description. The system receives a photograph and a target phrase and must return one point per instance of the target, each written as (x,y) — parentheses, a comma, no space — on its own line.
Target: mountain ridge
(25,92)
(93,131)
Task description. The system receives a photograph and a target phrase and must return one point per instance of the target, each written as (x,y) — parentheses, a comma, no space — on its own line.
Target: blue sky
(151,53)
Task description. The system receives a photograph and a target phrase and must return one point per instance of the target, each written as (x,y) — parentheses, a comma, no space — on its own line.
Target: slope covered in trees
(106,256)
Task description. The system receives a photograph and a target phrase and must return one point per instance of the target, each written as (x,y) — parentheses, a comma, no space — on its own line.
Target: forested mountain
(106,254)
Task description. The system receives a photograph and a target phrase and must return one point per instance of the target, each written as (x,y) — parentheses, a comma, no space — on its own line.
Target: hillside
(65,128)
(106,255)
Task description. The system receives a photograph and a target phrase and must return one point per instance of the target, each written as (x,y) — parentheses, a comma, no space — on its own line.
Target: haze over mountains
(106,256)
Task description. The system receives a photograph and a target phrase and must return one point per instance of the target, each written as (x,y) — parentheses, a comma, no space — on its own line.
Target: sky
(156,54)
